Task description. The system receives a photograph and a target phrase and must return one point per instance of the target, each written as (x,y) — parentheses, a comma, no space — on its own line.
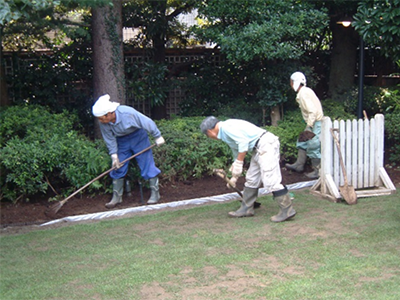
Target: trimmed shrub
(41,150)
(188,153)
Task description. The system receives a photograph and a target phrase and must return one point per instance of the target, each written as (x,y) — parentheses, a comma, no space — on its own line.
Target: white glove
(159,141)
(236,168)
(233,182)
(115,161)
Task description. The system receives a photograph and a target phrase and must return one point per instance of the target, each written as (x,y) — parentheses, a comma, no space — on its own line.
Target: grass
(329,251)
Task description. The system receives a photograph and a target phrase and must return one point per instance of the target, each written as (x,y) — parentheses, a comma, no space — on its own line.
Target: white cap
(103,106)
(298,78)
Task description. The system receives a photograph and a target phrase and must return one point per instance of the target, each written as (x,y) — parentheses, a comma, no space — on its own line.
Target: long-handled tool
(348,192)
(56,207)
(221,173)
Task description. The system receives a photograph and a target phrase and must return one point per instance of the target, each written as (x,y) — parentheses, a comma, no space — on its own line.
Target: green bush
(41,150)
(188,153)
(392,135)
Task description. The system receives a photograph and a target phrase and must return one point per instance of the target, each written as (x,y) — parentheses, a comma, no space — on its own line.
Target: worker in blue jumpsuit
(125,132)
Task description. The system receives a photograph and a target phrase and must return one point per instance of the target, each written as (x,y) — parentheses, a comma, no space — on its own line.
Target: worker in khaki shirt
(312,112)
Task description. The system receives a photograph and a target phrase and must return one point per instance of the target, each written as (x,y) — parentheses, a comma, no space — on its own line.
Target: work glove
(236,168)
(115,161)
(306,135)
(159,141)
(233,181)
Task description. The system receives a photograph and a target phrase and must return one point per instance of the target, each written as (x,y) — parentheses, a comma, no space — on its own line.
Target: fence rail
(362,148)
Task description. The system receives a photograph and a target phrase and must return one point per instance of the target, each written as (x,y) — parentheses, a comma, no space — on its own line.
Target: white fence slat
(360,154)
(342,140)
(327,151)
(354,155)
(366,154)
(336,165)
(380,131)
(372,173)
(362,148)
(349,165)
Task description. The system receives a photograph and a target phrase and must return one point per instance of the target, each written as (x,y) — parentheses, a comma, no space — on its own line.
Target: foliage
(335,110)
(54,80)
(146,82)
(378,22)
(265,29)
(288,131)
(392,136)
(156,19)
(265,40)
(41,150)
(375,100)
(188,153)
(15,9)
(392,99)
(221,89)
(244,90)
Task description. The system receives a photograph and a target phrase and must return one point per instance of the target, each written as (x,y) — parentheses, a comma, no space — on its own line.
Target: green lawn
(328,251)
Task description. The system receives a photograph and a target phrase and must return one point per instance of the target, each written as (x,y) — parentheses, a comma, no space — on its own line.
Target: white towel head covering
(103,106)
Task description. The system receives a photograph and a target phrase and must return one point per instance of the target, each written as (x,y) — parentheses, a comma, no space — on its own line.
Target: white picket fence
(362,147)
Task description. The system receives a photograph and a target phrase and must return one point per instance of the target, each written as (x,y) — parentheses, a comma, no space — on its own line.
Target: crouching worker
(125,131)
(242,137)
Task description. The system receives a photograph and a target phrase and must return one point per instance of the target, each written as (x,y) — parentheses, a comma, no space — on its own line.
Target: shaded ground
(36,211)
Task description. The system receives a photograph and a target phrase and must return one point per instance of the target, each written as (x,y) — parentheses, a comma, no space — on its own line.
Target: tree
(378,22)
(25,25)
(108,55)
(12,11)
(275,33)
(344,45)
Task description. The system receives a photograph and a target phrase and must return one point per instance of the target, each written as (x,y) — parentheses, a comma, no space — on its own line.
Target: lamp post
(346,22)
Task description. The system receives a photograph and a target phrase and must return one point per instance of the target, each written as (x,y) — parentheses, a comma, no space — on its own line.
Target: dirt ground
(36,211)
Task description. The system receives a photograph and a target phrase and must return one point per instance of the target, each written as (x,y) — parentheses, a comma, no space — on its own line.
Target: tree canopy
(245,30)
(378,22)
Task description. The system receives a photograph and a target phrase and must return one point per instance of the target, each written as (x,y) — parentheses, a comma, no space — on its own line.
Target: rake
(57,206)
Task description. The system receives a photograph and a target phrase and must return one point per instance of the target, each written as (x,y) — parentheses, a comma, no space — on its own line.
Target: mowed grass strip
(328,251)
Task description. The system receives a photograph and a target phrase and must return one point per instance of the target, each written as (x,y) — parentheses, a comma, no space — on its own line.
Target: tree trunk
(4,99)
(275,115)
(343,60)
(108,57)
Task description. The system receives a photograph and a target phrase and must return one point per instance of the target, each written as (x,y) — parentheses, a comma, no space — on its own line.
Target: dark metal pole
(361,81)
